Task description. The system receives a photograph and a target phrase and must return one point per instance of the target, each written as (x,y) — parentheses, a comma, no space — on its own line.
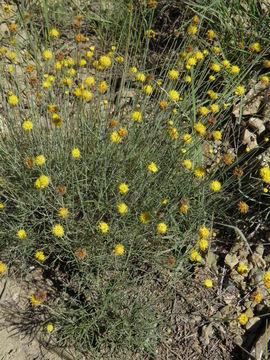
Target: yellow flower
(42,182)
(255,47)
(123,188)
(21,234)
(213,95)
(76,153)
(54,33)
(203,244)
(217,135)
(240,90)
(203,232)
(39,255)
(188,79)
(215,185)
(242,269)
(115,137)
(208,283)
(265,174)
(103,227)
(147,89)
(1,206)
(200,129)
(3,268)
(150,33)
(63,212)
(145,217)
(140,77)
(242,207)
(173,74)
(133,70)
(40,160)
(122,208)
(203,110)
(192,29)
(47,54)
(105,61)
(187,164)
(256,296)
(215,67)
(174,95)
(58,230)
(13,100)
(49,328)
(87,95)
(137,116)
(161,228)
(27,125)
(119,249)
(242,319)
(102,87)
(212,78)
(210,34)
(187,138)
(173,132)
(264,79)
(198,55)
(89,81)
(234,70)
(152,167)
(199,172)
(226,63)
(34,301)
(195,256)
(214,108)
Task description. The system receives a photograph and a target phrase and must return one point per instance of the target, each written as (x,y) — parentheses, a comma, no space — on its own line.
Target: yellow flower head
(54,33)
(27,125)
(204,232)
(214,108)
(63,212)
(174,95)
(242,207)
(195,256)
(40,160)
(265,174)
(203,110)
(173,74)
(255,47)
(234,70)
(203,244)
(119,249)
(103,227)
(217,135)
(89,81)
(152,167)
(136,116)
(147,89)
(199,172)
(3,268)
(76,153)
(187,138)
(210,34)
(13,100)
(49,328)
(161,228)
(123,188)
(200,129)
(187,164)
(58,230)
(122,208)
(215,185)
(242,269)
(208,283)
(215,67)
(242,319)
(39,255)
(105,61)
(21,234)
(140,77)
(240,90)
(192,29)
(145,217)
(115,137)
(42,182)
(102,87)
(47,54)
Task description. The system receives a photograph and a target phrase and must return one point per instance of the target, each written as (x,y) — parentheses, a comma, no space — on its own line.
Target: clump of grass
(110,165)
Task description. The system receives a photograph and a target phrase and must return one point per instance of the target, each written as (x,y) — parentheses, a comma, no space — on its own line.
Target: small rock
(257,125)
(231,260)
(238,340)
(207,332)
(249,139)
(251,322)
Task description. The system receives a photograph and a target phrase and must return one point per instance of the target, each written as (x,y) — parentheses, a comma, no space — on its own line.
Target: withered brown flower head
(80,253)
(61,189)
